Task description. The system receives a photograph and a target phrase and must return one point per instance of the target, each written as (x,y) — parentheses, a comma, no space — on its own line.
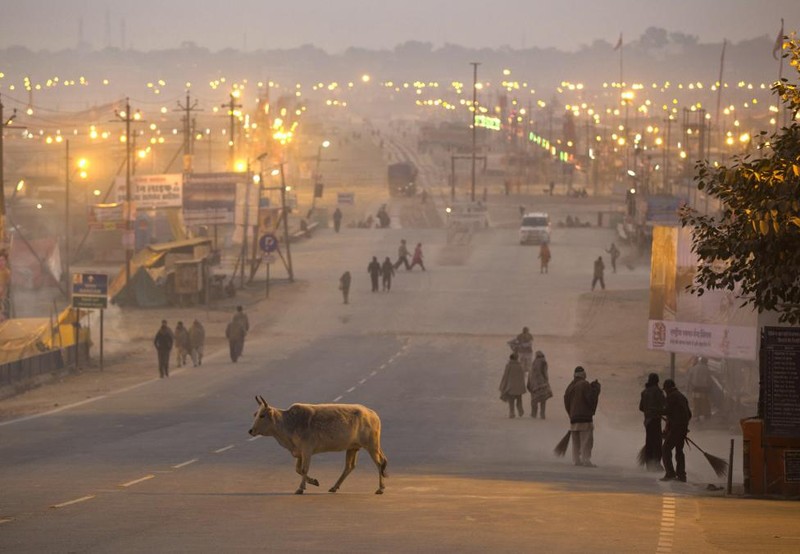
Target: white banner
(152,191)
(713,341)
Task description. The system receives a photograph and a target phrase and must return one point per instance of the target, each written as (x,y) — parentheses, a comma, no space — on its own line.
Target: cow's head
(264,420)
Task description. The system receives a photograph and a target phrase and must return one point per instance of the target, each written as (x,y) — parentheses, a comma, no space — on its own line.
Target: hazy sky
(337,24)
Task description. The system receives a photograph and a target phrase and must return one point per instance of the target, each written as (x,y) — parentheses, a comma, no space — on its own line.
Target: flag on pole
(619,42)
(778,42)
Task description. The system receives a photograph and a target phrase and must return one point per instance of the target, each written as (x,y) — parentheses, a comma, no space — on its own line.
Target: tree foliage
(754,242)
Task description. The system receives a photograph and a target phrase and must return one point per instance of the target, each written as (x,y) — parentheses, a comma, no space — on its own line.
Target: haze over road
(168,466)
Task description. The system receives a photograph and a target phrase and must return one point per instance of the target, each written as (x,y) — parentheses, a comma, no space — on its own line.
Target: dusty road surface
(168,465)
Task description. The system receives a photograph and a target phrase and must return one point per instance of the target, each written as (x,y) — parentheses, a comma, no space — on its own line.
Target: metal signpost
(89,291)
(268,244)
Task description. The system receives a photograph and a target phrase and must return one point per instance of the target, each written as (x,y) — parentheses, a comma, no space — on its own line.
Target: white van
(535,228)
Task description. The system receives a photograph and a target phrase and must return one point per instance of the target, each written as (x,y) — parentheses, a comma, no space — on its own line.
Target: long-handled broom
(719,465)
(561,447)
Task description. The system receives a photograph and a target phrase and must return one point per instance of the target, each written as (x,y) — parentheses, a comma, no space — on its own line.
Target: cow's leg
(349,464)
(305,462)
(380,460)
(309,480)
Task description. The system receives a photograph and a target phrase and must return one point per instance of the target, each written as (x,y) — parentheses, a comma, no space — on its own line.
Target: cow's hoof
(313,482)
(379,491)
(299,491)
(332,489)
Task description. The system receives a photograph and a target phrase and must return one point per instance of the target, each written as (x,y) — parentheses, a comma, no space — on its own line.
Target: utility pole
(232,105)
(3,124)
(286,225)
(66,222)
(188,136)
(128,118)
(474,129)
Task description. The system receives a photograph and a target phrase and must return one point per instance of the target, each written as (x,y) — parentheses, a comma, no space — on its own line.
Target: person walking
(235,332)
(344,286)
(678,415)
(580,401)
(523,345)
(599,268)
(387,272)
(539,385)
(544,257)
(181,343)
(374,270)
(700,388)
(512,385)
(651,405)
(416,259)
(402,255)
(163,342)
(197,341)
(337,219)
(614,253)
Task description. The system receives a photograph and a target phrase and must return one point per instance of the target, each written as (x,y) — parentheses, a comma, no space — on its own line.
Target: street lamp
(80,169)
(318,176)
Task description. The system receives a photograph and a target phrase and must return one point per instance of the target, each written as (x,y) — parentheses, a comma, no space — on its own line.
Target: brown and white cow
(306,429)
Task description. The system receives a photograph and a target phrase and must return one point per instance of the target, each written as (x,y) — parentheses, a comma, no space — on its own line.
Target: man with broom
(678,414)
(652,405)
(580,401)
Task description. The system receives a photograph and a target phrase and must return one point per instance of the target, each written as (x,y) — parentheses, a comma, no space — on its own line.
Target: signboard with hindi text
(152,191)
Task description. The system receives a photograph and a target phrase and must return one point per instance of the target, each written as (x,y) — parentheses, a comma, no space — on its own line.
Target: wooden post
(730,470)
(267,264)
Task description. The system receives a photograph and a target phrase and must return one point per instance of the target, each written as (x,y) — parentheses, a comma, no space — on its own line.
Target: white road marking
(337,398)
(5,520)
(362,381)
(184,464)
(351,389)
(373,374)
(70,502)
(383,366)
(251,439)
(667,531)
(136,481)
(223,449)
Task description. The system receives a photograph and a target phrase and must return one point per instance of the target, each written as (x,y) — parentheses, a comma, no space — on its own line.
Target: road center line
(68,503)
(373,374)
(362,381)
(667,530)
(184,464)
(5,520)
(351,389)
(136,481)
(223,449)
(337,398)
(251,439)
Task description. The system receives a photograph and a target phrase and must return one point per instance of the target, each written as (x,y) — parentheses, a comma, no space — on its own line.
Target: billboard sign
(712,325)
(90,290)
(210,198)
(152,191)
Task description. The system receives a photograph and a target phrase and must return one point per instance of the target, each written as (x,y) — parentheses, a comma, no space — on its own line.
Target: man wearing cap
(651,405)
(580,401)
(678,415)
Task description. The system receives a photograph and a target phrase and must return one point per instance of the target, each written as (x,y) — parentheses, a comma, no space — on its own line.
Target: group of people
(187,342)
(191,342)
(671,406)
(525,372)
(382,273)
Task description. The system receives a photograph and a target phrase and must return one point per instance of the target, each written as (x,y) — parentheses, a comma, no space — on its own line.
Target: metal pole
(2,178)
(730,470)
(286,225)
(128,222)
(452,178)
(672,365)
(66,224)
(101,338)
(267,292)
(474,129)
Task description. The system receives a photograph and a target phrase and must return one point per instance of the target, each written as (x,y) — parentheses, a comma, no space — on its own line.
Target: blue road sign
(268,243)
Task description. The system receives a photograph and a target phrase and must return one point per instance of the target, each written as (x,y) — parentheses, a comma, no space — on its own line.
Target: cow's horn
(258,399)
(264,402)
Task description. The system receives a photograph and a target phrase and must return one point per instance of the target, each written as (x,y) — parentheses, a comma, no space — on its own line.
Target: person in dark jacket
(678,414)
(512,385)
(599,269)
(651,405)
(235,332)
(344,285)
(337,219)
(539,384)
(163,342)
(387,272)
(402,255)
(580,401)
(374,270)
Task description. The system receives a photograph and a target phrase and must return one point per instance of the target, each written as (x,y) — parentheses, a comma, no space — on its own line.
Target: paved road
(168,466)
